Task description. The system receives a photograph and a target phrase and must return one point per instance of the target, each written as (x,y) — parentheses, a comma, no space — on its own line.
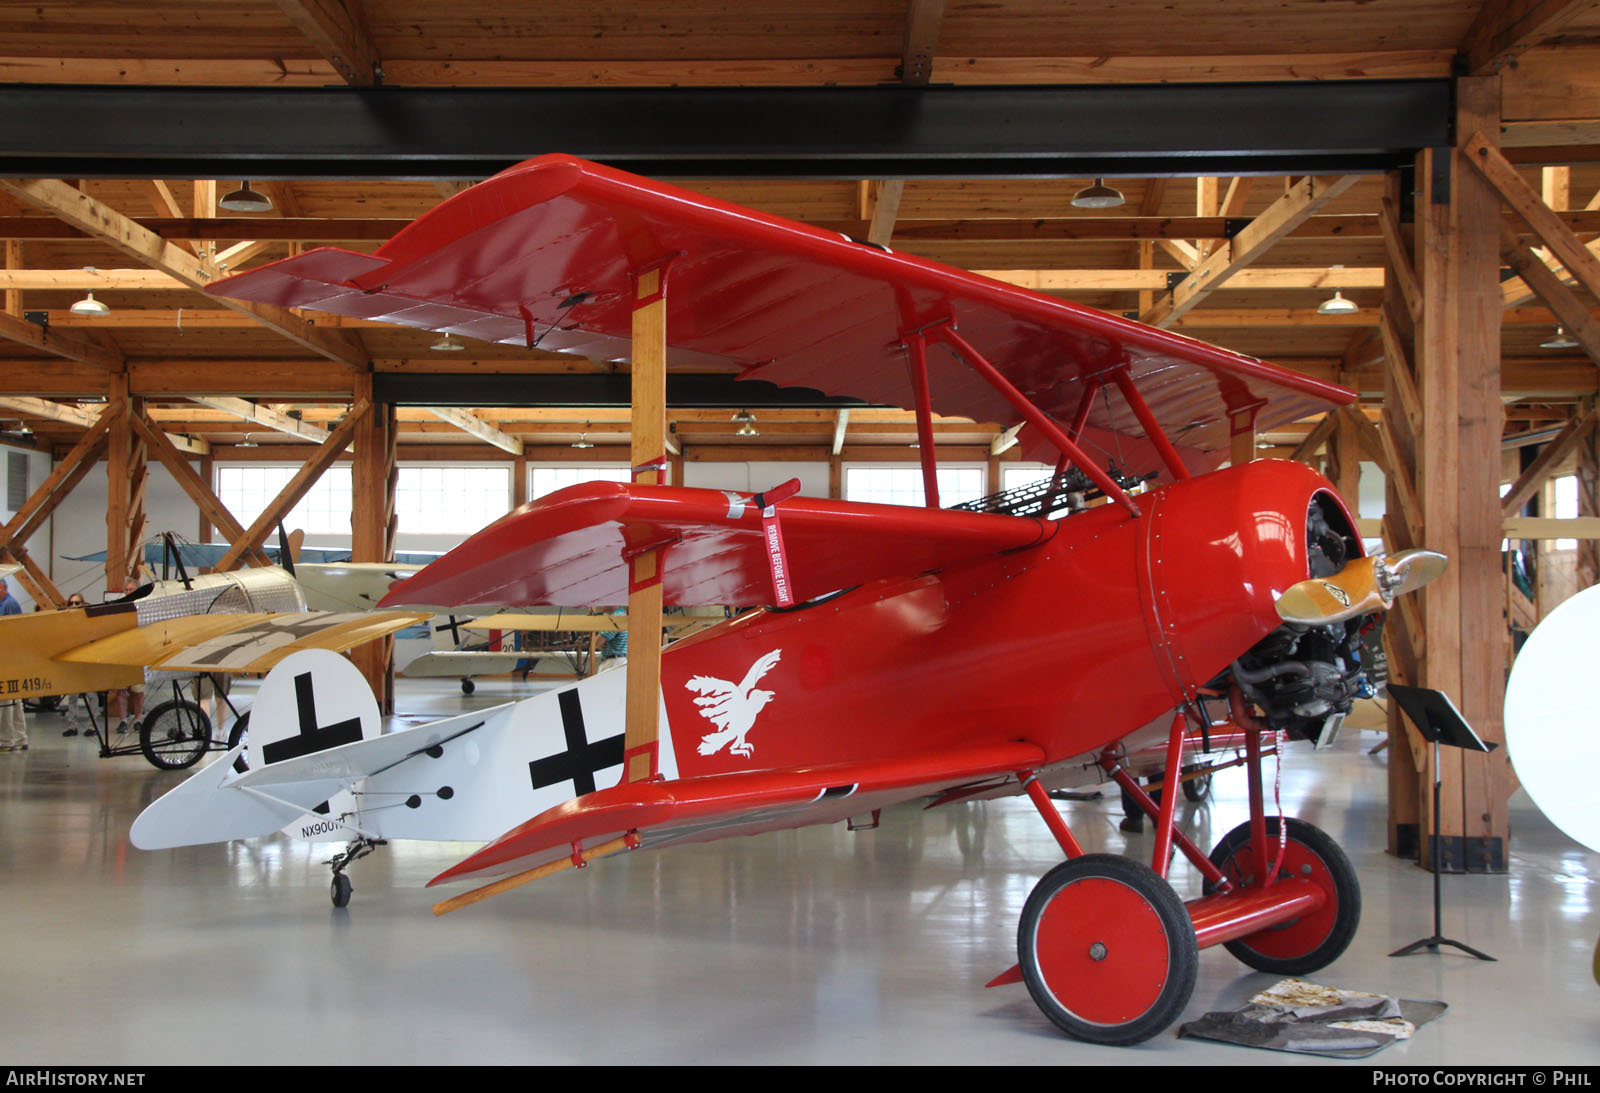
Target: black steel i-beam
(823,132)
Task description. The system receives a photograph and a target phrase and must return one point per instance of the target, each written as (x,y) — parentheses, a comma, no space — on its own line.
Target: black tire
(1196,789)
(340,890)
(1107,950)
(467,686)
(236,736)
(175,735)
(1305,944)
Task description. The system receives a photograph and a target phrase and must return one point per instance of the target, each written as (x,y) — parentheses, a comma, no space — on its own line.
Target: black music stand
(1437,718)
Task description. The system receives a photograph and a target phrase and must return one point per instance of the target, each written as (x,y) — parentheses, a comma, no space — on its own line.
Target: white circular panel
(311,701)
(1553,716)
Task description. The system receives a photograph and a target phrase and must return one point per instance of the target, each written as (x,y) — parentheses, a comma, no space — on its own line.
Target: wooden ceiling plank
(122,233)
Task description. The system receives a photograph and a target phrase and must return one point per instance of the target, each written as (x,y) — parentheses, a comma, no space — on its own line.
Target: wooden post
(649,455)
(1398,432)
(1486,779)
(371,522)
(1589,500)
(1457,461)
(519,481)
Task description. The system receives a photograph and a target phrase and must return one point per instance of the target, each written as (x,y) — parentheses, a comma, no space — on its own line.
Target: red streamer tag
(773,535)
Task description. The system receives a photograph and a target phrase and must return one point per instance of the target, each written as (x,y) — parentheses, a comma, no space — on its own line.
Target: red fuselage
(1071,644)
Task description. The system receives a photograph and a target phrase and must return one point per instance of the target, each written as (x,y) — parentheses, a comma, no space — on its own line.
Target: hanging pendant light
(246,200)
(1559,340)
(1337,304)
(90,307)
(583,440)
(1098,196)
(447,344)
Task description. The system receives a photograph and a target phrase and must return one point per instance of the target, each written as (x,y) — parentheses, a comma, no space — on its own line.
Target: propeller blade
(1411,569)
(1361,587)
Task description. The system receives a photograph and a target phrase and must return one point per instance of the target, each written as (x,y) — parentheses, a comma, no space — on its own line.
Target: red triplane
(1015,645)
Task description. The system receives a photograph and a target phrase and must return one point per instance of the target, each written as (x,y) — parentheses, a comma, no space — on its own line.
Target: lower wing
(651,815)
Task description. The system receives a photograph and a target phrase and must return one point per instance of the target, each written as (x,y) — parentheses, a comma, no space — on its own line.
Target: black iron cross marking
(454,627)
(581,759)
(312,737)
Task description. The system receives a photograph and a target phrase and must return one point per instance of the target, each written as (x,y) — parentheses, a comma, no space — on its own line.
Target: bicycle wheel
(175,735)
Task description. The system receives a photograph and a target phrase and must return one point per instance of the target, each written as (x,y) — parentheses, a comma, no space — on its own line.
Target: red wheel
(1312,941)
(1107,949)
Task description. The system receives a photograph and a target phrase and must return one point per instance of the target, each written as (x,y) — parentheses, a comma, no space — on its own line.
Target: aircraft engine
(1304,678)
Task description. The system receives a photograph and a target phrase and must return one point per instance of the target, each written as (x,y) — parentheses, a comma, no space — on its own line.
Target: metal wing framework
(544,254)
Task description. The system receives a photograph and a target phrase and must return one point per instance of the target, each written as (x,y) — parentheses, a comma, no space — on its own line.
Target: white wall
(38,464)
(79,524)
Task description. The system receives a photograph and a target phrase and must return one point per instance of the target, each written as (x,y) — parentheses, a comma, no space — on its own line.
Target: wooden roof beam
(1503,30)
(122,233)
(1302,200)
(469,422)
(263,415)
(337,30)
(69,344)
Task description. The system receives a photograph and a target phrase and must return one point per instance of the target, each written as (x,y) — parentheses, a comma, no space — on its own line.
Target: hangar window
(324,510)
(1566,506)
(451,499)
(549,479)
(903,485)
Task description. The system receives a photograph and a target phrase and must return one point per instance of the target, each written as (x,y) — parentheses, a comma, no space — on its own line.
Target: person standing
(126,703)
(13,723)
(78,719)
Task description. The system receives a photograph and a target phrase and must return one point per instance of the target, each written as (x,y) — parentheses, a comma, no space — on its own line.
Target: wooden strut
(576,860)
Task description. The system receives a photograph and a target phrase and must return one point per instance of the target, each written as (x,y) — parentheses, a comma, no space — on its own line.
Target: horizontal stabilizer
(688,810)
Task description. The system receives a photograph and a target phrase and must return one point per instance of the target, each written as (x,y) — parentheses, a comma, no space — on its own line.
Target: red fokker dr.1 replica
(1010,646)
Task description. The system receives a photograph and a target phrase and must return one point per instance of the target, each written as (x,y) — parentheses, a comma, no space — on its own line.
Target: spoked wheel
(175,735)
(1312,941)
(236,736)
(1107,949)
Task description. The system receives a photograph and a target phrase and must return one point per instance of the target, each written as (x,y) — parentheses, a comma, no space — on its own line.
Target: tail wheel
(1107,949)
(1197,788)
(175,735)
(1312,941)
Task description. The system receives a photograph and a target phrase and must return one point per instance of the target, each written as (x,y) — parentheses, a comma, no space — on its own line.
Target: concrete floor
(816,946)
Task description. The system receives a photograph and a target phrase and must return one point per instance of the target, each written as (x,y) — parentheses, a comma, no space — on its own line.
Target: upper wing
(542,254)
(570,547)
(719,805)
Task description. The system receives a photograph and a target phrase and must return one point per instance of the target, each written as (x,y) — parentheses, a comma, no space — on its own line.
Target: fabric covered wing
(543,253)
(237,642)
(717,806)
(571,547)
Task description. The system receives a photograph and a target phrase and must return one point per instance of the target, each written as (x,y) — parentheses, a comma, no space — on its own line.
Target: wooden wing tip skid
(577,860)
(1363,586)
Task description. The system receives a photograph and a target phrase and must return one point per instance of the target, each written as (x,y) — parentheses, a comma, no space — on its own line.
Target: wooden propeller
(1362,586)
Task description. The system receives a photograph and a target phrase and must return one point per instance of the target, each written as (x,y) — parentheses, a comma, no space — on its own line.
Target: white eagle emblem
(732,707)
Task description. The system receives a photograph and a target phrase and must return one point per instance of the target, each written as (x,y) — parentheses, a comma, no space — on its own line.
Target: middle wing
(571,548)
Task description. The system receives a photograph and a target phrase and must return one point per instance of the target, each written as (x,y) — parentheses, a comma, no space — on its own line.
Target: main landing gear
(339,890)
(1110,953)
